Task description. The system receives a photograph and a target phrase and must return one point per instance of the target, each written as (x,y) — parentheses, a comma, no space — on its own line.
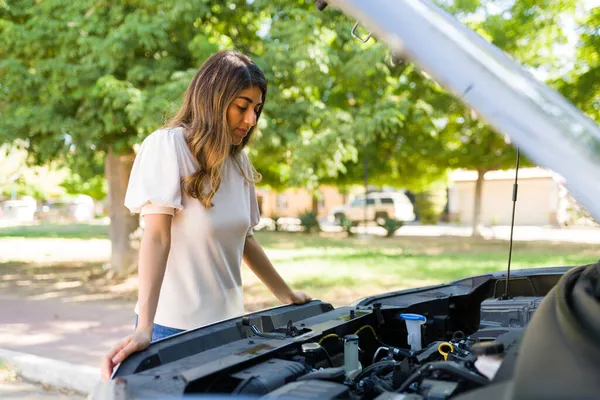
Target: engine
(365,363)
(464,340)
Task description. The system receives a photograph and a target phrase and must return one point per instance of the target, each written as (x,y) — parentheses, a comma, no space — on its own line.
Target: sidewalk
(74,332)
(60,343)
(17,388)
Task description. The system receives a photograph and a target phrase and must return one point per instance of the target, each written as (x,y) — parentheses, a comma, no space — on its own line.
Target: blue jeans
(160,331)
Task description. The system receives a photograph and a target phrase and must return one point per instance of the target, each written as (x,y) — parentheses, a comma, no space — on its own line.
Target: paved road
(520,233)
(74,332)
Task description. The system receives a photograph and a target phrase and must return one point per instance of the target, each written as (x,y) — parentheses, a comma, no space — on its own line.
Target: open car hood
(549,129)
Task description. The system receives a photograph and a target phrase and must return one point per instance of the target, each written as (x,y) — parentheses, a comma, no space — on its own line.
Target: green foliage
(21,188)
(334,101)
(582,83)
(79,77)
(529,31)
(86,175)
(275,219)
(340,101)
(430,205)
(309,222)
(346,224)
(391,225)
(94,187)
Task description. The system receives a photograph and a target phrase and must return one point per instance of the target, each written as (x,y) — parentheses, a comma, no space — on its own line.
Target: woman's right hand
(137,341)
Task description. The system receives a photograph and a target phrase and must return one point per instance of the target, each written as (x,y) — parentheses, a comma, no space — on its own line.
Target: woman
(194,187)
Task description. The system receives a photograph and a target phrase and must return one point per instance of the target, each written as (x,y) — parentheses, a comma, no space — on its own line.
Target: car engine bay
(473,339)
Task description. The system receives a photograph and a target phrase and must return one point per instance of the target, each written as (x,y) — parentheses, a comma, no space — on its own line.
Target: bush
(391,225)
(309,222)
(346,224)
(275,218)
(430,206)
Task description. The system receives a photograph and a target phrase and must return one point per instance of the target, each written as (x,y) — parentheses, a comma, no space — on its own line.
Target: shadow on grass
(76,281)
(340,267)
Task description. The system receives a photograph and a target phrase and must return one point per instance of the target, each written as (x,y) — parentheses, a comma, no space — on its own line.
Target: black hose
(328,357)
(367,370)
(404,353)
(445,367)
(382,387)
(243,384)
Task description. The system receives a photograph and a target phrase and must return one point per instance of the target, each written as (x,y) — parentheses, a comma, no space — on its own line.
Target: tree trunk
(122,222)
(315,204)
(476,231)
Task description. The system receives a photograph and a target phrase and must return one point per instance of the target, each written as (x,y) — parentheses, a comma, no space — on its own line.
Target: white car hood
(550,130)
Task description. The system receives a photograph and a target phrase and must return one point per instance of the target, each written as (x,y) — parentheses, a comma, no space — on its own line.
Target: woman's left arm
(259,263)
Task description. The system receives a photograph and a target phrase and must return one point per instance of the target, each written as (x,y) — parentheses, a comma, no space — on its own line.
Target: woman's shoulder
(166,136)
(170,144)
(165,140)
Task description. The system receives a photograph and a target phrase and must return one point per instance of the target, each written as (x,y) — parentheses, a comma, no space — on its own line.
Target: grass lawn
(342,269)
(330,267)
(49,230)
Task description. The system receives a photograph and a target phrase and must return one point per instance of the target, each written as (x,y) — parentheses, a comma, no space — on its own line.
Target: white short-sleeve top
(202,282)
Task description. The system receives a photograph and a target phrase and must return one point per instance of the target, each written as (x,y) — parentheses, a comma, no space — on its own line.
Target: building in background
(542,199)
(293,202)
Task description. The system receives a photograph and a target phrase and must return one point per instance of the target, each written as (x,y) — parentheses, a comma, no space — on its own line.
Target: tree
(92,78)
(479,148)
(89,178)
(16,179)
(527,30)
(582,83)
(338,102)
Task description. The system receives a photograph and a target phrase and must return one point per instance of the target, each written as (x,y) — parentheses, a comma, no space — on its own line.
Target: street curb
(55,373)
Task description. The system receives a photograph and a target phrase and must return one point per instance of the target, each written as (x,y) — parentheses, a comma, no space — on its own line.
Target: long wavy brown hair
(203,114)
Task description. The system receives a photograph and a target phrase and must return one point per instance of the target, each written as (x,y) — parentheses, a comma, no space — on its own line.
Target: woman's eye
(242,108)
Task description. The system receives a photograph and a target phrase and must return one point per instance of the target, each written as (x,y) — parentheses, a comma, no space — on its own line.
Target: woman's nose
(250,117)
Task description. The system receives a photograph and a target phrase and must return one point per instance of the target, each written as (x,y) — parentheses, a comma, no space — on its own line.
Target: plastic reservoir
(413,326)
(351,362)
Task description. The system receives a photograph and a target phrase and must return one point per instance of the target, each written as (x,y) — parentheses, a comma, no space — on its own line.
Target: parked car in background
(81,209)
(22,210)
(379,206)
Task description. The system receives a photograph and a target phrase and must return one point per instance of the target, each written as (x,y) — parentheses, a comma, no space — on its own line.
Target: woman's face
(242,113)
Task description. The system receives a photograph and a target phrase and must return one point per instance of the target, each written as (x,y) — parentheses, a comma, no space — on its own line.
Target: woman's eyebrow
(248,99)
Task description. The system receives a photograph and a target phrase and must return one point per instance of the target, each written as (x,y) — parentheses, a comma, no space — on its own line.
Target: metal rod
(512,225)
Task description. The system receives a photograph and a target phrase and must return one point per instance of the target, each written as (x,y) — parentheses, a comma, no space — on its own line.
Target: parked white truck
(379,206)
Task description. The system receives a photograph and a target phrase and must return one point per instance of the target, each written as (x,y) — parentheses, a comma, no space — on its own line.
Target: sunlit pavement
(69,340)
(520,233)
(73,332)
